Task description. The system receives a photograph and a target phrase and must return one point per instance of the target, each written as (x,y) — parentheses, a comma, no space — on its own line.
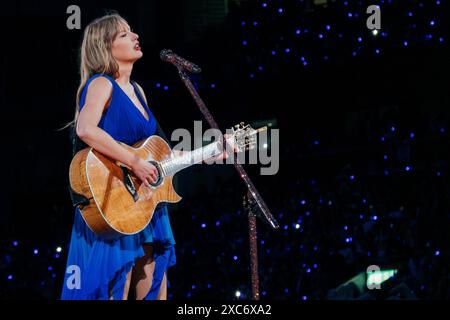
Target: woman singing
(110,108)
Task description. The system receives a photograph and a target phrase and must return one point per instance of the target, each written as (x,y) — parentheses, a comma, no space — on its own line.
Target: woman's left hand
(224,154)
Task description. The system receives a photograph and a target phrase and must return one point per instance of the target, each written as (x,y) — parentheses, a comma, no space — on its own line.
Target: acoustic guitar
(114,202)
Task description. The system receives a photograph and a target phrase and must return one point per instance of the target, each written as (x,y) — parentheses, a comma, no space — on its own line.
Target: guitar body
(112,210)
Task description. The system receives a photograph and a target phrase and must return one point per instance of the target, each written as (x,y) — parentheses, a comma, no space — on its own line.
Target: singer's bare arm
(97,98)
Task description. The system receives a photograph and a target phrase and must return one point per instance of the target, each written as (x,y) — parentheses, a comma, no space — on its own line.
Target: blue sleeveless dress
(104,264)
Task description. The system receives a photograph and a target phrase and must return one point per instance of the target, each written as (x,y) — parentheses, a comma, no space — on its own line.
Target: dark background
(364,133)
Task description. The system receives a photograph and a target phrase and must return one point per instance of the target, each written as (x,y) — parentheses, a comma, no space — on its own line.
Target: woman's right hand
(145,171)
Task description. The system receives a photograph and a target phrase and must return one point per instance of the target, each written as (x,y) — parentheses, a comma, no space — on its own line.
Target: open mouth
(137,47)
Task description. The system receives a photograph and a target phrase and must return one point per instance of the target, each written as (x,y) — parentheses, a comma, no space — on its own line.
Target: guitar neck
(189,158)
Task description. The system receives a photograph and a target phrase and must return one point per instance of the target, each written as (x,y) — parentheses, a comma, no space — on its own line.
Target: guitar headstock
(245,136)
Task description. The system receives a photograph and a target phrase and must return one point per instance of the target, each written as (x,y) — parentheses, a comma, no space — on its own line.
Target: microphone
(168,56)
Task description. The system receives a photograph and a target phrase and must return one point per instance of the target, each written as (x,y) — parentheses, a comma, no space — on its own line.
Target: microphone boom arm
(209,118)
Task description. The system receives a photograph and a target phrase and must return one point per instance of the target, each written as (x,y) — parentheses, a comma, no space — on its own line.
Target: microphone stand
(259,207)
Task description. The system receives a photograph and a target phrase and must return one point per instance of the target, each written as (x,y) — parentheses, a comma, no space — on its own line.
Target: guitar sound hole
(159,178)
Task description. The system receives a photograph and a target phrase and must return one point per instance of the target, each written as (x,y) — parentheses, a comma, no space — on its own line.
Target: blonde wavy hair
(95,52)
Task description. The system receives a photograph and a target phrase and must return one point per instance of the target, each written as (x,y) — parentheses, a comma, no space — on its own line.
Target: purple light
(273,52)
(235,258)
(213,85)
(50,268)
(203,225)
(405,43)
(260,68)
(287,50)
(255,23)
(244,42)
(280,10)
(410,14)
(305,298)
(441,39)
(158,85)
(352,177)
(393,129)
(408,168)
(315,265)
(345,228)
(374,218)
(10,277)
(166,88)
(383,138)
(303,202)
(386,173)
(298,31)
(328,27)
(354,53)
(438,173)
(308,270)
(437,253)
(243,23)
(385,157)
(15,243)
(359,39)
(316,142)
(217,223)
(193,287)
(35,251)
(377,51)
(442,130)
(411,135)
(264,4)
(432,23)
(349,14)
(320,36)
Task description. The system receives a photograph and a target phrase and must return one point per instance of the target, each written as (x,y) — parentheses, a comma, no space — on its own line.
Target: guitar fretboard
(189,158)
